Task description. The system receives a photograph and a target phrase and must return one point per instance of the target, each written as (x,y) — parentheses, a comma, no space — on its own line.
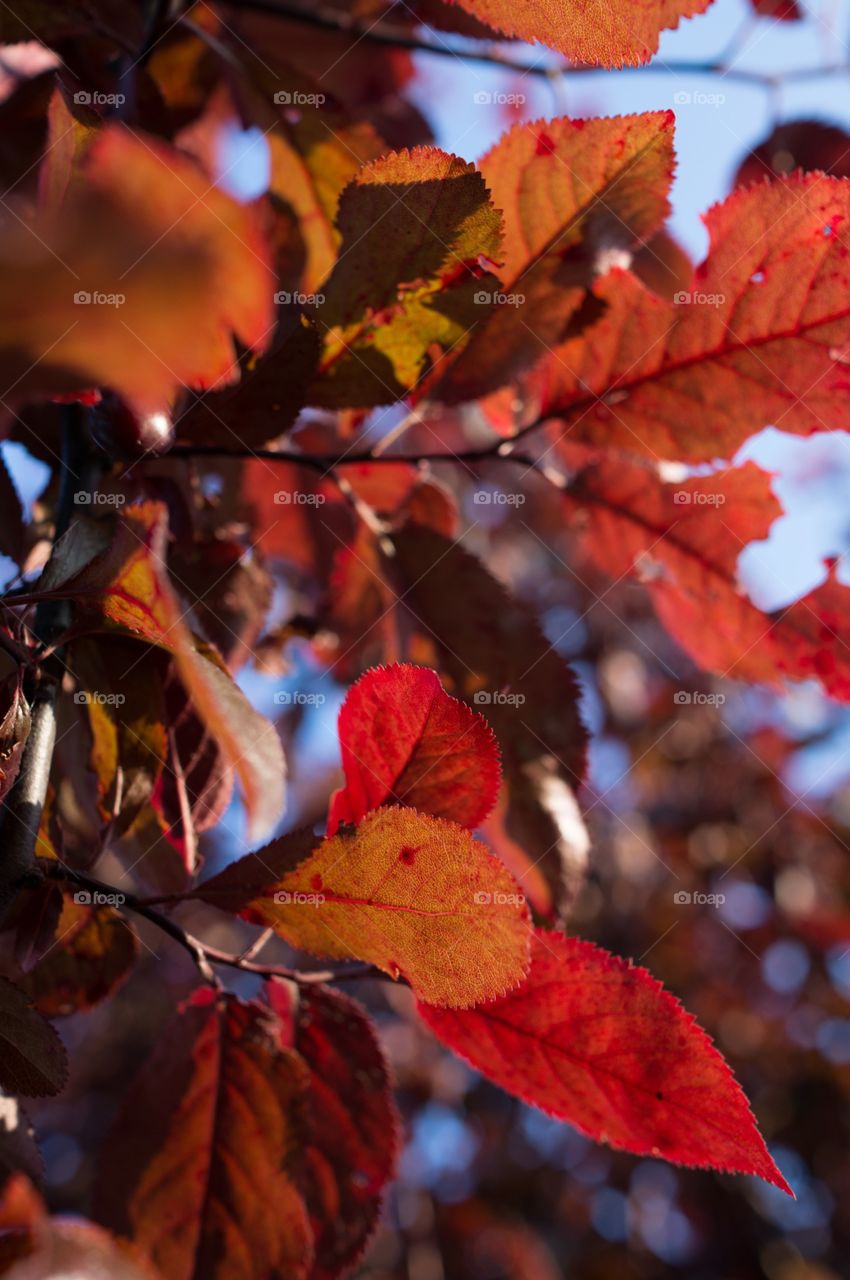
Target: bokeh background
(744,796)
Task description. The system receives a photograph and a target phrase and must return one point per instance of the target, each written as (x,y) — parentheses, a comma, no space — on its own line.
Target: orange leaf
(414,895)
(138,282)
(125,583)
(595,31)
(576,195)
(200,1169)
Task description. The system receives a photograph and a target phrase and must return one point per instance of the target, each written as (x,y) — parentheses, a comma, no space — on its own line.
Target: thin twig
(497,450)
(202,953)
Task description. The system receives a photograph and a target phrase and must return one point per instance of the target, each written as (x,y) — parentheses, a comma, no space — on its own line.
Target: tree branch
(498,450)
(24,805)
(203,955)
(383,33)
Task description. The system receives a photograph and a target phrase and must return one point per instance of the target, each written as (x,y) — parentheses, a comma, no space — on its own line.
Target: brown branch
(498,450)
(489,54)
(201,952)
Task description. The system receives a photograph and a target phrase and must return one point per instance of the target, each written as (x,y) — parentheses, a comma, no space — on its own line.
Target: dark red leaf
(353,1143)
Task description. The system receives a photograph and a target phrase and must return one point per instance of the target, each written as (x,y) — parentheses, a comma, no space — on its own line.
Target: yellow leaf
(414,895)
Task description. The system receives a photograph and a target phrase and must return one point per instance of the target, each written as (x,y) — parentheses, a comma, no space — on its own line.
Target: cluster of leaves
(534,318)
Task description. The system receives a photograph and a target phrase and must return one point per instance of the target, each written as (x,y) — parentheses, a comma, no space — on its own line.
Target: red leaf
(353,1144)
(683,540)
(406,741)
(761,337)
(780,10)
(597,1042)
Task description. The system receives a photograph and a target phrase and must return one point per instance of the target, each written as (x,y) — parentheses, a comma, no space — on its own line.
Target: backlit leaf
(418,230)
(351,1151)
(576,196)
(594,1040)
(412,894)
(611,35)
(760,338)
(683,540)
(200,1170)
(404,740)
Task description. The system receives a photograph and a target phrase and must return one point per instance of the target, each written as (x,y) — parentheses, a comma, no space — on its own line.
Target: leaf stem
(202,953)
